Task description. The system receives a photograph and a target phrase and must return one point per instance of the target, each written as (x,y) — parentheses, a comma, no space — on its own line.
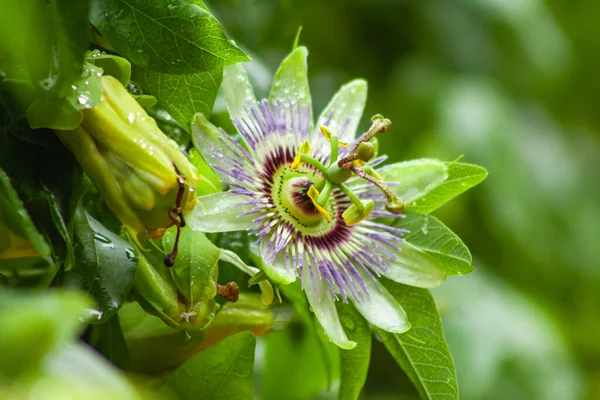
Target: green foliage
(105,264)
(170,55)
(461,177)
(33,325)
(354,364)
(422,352)
(224,370)
(515,336)
(171,37)
(182,95)
(112,65)
(14,217)
(43,45)
(303,348)
(39,353)
(300,349)
(430,235)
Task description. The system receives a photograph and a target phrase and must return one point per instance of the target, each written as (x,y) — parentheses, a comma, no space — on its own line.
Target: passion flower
(312,196)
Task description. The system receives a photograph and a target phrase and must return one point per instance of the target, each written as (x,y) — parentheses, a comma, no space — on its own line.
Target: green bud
(135,167)
(183,295)
(155,349)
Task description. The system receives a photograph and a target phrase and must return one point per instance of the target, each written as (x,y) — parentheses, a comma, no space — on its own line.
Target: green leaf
(299,349)
(195,270)
(78,372)
(411,180)
(43,45)
(222,371)
(33,323)
(327,350)
(14,216)
(105,264)
(112,65)
(422,352)
(145,100)
(108,339)
(432,236)
(50,196)
(181,95)
(481,312)
(173,37)
(354,364)
(461,177)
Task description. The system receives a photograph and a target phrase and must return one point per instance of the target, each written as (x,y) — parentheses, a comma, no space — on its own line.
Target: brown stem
(175,213)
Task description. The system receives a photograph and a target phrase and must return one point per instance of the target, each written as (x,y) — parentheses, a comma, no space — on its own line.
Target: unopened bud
(135,167)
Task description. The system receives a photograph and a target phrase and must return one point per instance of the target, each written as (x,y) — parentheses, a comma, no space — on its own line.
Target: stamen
(327,133)
(352,196)
(304,149)
(325,193)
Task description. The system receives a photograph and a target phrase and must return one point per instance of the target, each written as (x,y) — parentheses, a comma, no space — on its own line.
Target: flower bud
(183,295)
(135,167)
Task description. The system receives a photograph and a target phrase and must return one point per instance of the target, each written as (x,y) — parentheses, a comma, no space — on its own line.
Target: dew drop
(131,255)
(101,238)
(83,99)
(425,226)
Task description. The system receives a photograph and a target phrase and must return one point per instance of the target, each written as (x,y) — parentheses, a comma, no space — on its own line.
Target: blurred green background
(511,85)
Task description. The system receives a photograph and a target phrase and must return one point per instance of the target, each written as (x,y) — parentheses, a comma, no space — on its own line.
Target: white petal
(415,268)
(277,270)
(220,212)
(237,90)
(382,310)
(323,305)
(346,106)
(208,140)
(290,84)
(415,178)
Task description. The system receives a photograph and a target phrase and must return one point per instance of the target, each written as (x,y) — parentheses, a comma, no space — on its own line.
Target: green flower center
(290,195)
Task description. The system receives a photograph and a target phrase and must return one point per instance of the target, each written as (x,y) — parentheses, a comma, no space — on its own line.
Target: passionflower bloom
(313,198)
